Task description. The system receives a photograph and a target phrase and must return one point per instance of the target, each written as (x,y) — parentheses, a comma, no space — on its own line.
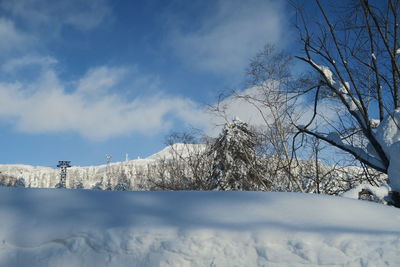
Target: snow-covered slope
(183,150)
(50,227)
(45,177)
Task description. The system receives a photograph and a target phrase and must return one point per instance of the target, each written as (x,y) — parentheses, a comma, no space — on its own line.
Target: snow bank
(50,227)
(380,192)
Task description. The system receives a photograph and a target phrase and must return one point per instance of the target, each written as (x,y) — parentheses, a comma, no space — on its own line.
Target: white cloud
(10,37)
(82,14)
(26,61)
(96,111)
(99,80)
(260,116)
(226,40)
(44,107)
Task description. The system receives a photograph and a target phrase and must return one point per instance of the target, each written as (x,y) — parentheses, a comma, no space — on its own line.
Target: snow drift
(50,227)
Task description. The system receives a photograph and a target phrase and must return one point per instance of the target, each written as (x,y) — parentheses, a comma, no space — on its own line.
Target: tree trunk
(394,199)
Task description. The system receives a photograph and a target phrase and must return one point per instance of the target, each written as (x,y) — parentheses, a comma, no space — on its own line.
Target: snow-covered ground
(61,227)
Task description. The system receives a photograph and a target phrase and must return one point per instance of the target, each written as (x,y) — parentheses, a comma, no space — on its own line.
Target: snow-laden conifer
(235,163)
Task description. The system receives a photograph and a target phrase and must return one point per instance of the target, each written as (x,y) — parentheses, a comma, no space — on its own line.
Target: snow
(179,148)
(387,133)
(45,177)
(56,227)
(341,89)
(380,192)
(103,176)
(388,136)
(326,71)
(374,123)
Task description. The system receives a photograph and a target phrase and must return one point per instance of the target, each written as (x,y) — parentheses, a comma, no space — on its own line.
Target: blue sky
(82,78)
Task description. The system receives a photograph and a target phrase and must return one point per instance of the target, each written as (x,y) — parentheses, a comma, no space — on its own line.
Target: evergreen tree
(79,185)
(98,186)
(123,183)
(3,181)
(108,185)
(20,182)
(236,165)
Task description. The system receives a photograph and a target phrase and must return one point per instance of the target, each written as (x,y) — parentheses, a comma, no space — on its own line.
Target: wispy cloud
(44,106)
(104,102)
(98,81)
(250,108)
(14,64)
(227,39)
(11,38)
(109,101)
(83,15)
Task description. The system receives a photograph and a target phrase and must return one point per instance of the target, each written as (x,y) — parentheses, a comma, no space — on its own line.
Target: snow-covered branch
(359,153)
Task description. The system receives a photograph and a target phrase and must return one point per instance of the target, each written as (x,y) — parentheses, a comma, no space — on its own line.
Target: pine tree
(98,186)
(3,181)
(236,165)
(123,183)
(109,185)
(20,182)
(79,185)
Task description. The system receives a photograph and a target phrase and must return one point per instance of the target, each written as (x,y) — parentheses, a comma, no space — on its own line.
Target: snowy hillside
(49,227)
(137,172)
(45,177)
(181,149)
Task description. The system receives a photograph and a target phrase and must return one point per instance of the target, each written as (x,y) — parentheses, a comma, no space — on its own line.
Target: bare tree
(186,166)
(269,92)
(354,49)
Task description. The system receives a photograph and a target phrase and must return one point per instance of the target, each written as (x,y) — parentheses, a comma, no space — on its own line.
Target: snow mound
(49,227)
(380,192)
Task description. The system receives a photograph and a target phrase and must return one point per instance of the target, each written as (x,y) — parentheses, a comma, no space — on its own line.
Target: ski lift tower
(108,171)
(108,160)
(63,165)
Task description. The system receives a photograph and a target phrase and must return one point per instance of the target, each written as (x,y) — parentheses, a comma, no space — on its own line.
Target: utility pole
(108,171)
(63,165)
